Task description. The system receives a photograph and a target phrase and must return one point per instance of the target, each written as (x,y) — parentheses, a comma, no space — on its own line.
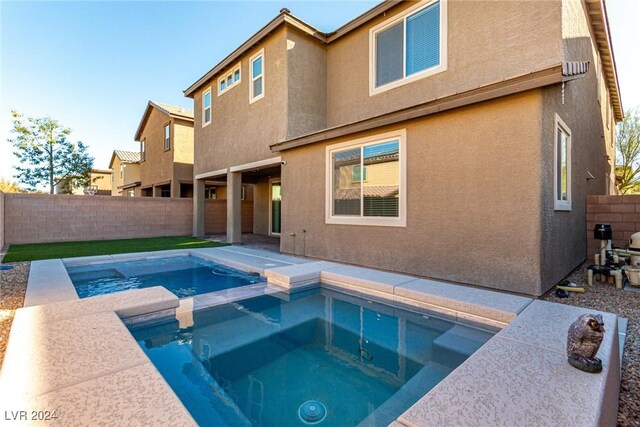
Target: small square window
(236,75)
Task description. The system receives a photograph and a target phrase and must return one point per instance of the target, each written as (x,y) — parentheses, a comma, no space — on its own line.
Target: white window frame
(255,56)
(401,219)
(143,150)
(167,138)
(561,205)
(373,90)
(205,123)
(233,82)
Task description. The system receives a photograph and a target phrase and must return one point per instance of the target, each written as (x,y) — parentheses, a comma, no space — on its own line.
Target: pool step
(457,344)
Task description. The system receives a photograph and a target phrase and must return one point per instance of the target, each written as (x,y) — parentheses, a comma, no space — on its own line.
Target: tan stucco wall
(130,173)
(261,207)
(158,164)
(215,216)
(306,83)
(37,218)
(472,199)
(488,41)
(162,166)
(564,242)
(102,180)
(182,148)
(241,132)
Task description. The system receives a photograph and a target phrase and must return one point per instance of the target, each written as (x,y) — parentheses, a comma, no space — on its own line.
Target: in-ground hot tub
(185,276)
(323,358)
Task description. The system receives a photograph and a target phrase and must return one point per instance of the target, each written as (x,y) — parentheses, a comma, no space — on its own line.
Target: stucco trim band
(535,80)
(255,165)
(212,174)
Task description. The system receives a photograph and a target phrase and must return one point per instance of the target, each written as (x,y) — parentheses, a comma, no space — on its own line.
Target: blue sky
(94,65)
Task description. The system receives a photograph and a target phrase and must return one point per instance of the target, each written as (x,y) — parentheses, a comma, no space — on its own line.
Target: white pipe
(590,277)
(596,259)
(618,276)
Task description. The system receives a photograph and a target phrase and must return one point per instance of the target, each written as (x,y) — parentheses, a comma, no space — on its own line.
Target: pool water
(184,276)
(257,362)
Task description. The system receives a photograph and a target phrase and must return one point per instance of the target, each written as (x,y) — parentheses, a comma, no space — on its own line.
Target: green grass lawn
(32,252)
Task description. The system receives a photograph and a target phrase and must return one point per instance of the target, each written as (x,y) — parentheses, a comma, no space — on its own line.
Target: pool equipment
(607,260)
(615,262)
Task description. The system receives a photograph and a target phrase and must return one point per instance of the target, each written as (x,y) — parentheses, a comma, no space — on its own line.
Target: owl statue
(583,342)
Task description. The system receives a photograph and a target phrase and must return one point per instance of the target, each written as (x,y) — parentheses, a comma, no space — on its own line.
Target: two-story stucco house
(165,135)
(449,139)
(126,172)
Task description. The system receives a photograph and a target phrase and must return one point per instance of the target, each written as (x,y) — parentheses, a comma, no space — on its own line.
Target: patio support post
(198,207)
(234,218)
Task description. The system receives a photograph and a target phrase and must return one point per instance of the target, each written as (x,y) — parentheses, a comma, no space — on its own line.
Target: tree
(10,187)
(628,153)
(46,156)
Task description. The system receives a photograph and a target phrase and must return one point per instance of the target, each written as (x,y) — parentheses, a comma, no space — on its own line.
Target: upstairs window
(206,108)
(167,138)
(256,88)
(410,47)
(562,169)
(143,150)
(229,80)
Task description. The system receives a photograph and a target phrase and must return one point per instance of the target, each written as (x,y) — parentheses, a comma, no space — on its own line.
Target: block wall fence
(1,220)
(41,218)
(622,212)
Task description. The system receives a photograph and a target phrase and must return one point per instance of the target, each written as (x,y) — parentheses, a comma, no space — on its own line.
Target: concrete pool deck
(77,357)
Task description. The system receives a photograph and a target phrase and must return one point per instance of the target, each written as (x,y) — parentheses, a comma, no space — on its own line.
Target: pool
(317,357)
(184,276)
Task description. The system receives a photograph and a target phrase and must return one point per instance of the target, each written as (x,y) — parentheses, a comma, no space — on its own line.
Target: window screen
(409,46)
(423,39)
(389,55)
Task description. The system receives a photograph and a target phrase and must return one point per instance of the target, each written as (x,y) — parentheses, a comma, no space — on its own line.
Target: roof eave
(597,12)
(283,17)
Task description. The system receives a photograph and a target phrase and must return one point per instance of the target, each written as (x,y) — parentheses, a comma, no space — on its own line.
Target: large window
(167,137)
(229,80)
(206,107)
(366,181)
(562,166)
(409,47)
(256,88)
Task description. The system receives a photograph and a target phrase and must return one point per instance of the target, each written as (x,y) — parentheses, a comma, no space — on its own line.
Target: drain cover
(312,412)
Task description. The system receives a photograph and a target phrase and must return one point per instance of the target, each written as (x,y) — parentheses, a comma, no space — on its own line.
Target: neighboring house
(100,184)
(454,140)
(126,173)
(165,135)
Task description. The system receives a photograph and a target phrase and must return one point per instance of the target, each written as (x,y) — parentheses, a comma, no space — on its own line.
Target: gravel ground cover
(13,284)
(606,297)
